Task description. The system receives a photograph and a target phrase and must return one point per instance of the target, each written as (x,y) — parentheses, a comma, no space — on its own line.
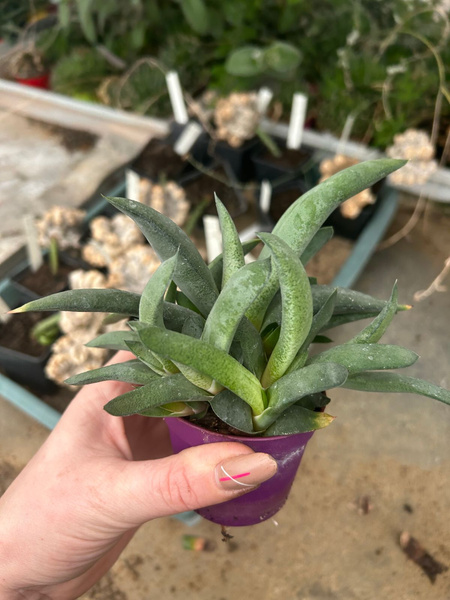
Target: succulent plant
(234,338)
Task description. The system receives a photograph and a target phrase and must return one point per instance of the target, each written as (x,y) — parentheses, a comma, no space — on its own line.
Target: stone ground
(389,453)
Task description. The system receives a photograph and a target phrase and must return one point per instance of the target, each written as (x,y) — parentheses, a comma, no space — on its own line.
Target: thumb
(194,478)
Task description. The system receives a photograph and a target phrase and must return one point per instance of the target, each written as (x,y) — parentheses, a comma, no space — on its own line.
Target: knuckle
(176,489)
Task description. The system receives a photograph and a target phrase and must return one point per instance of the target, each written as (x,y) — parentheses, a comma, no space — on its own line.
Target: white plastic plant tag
(345,135)
(297,121)
(176,98)
(265,95)
(213,236)
(132,183)
(249,258)
(4,309)
(265,196)
(188,137)
(33,249)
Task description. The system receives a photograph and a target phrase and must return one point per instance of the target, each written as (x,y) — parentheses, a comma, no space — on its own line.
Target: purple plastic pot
(261,504)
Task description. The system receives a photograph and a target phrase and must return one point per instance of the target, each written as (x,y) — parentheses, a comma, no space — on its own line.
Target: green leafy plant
(236,338)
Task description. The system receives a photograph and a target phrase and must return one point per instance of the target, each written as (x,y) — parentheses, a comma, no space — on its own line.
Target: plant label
(249,232)
(213,236)
(297,121)
(176,98)
(265,196)
(188,137)
(263,100)
(132,182)
(33,249)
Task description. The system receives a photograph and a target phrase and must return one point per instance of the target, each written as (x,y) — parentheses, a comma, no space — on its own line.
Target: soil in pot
(15,334)
(43,282)
(202,188)
(289,159)
(159,161)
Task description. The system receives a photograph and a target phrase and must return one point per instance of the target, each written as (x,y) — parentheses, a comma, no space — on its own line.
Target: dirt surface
(158,161)
(326,264)
(15,334)
(43,282)
(381,469)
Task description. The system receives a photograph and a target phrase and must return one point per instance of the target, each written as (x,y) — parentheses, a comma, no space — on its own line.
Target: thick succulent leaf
(233,253)
(171,294)
(91,300)
(146,356)
(313,401)
(319,320)
(175,316)
(297,419)
(395,382)
(297,308)
(161,391)
(304,217)
(191,275)
(152,298)
(375,330)
(216,265)
(131,371)
(270,339)
(233,411)
(301,221)
(319,240)
(366,357)
(234,299)
(113,340)
(348,302)
(208,360)
(249,340)
(292,387)
(192,328)
(338,320)
(183,300)
(177,409)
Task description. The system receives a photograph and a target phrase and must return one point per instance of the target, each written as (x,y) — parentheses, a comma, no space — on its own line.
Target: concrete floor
(392,448)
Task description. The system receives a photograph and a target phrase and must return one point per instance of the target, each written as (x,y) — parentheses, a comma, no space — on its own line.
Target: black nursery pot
(283,196)
(23,364)
(288,165)
(352,228)
(158,160)
(239,159)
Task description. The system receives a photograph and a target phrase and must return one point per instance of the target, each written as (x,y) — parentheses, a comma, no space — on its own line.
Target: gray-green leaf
(395,382)
(131,371)
(364,357)
(191,273)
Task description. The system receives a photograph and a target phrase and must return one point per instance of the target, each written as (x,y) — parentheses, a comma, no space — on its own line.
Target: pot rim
(238,438)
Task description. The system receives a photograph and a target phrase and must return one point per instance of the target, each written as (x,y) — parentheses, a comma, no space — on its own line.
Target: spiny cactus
(235,338)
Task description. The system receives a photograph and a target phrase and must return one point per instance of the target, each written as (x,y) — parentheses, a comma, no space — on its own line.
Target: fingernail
(245,471)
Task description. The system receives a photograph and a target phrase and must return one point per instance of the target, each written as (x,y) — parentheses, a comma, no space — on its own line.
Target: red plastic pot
(264,502)
(41,81)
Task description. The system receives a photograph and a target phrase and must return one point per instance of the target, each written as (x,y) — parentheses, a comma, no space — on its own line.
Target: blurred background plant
(382,61)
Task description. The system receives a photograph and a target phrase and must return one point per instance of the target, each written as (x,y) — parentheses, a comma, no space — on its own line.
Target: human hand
(69,514)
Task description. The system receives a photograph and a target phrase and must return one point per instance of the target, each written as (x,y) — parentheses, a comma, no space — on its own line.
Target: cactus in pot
(232,341)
